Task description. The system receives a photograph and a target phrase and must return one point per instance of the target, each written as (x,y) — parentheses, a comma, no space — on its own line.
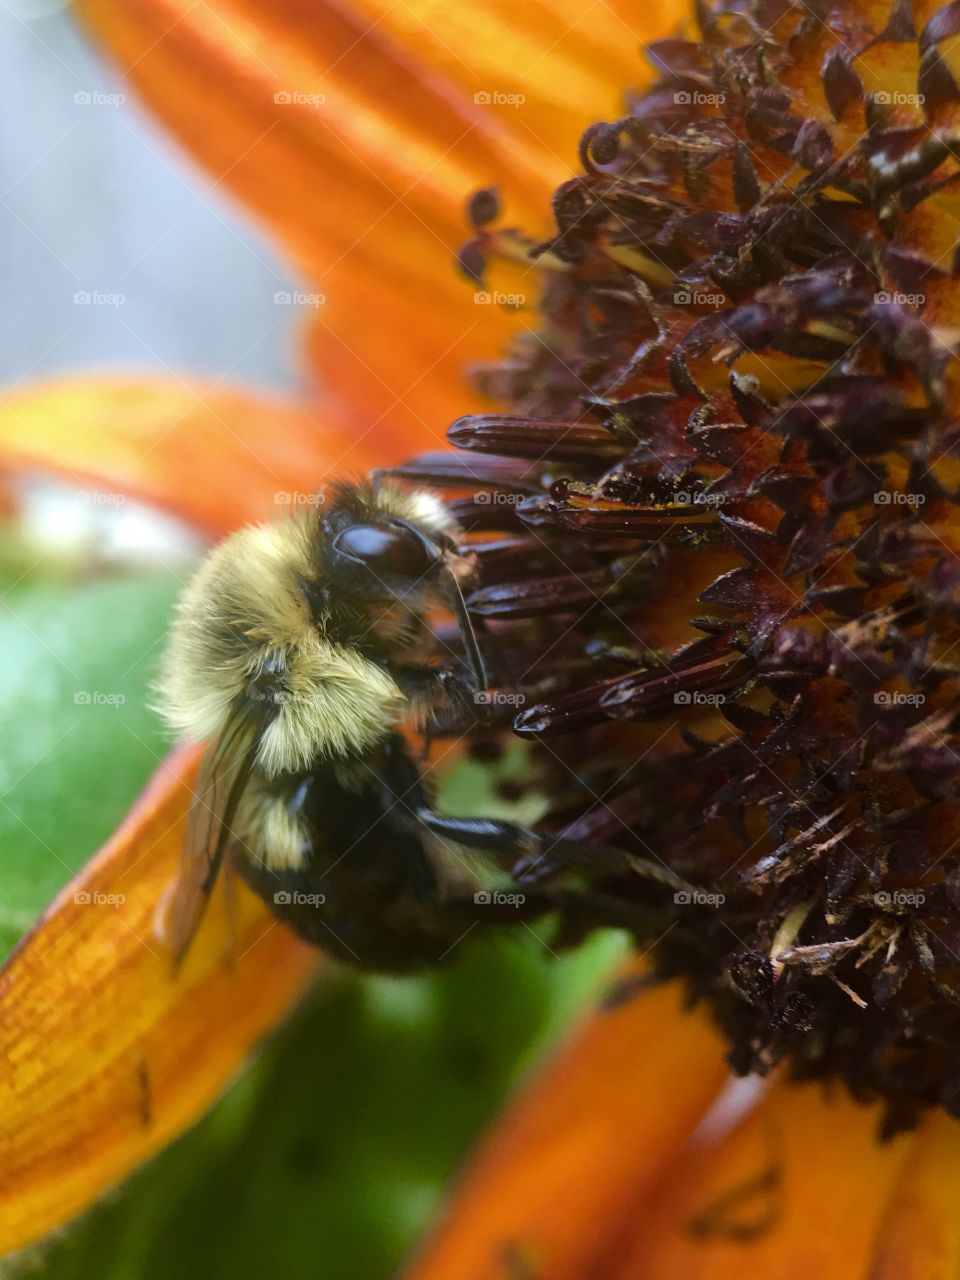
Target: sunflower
(719,468)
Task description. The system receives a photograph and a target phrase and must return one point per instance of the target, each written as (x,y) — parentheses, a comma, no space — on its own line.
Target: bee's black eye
(389,550)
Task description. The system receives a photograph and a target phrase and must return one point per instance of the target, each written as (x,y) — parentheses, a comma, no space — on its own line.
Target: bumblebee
(298,652)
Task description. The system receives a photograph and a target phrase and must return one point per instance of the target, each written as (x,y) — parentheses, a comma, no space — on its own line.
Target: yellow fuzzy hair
(268,831)
(244,606)
(420,506)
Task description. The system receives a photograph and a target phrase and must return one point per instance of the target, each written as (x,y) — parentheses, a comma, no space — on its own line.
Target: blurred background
(329,1157)
(95,200)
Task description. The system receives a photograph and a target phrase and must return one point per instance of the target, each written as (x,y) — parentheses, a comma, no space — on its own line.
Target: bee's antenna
(457,603)
(467,632)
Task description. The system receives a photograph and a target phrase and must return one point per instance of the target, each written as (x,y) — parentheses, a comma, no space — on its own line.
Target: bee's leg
(532,856)
(449,703)
(441,696)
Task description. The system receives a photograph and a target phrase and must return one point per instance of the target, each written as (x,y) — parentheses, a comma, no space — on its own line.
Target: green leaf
(79,741)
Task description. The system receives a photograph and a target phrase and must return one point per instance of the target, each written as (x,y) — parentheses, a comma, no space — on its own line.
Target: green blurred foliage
(329,1157)
(79,740)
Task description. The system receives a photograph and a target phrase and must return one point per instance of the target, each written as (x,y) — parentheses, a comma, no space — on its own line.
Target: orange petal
(919,1238)
(356,137)
(325,121)
(402,367)
(367,189)
(570,62)
(573,1154)
(798,1189)
(218,458)
(105,1056)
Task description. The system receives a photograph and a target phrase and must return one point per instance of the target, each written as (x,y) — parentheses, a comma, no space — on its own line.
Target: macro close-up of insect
(298,650)
(480,620)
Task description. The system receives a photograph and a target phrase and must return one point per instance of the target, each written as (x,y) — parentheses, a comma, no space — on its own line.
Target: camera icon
(283,98)
(683,499)
(82,898)
(882,699)
(83,98)
(81,299)
(483,897)
(82,698)
(482,99)
(682,698)
(682,297)
(682,98)
(283,297)
(883,498)
(883,97)
(282,898)
(881,297)
(683,897)
(482,299)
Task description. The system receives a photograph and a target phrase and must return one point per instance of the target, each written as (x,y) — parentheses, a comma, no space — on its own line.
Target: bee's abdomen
(365,887)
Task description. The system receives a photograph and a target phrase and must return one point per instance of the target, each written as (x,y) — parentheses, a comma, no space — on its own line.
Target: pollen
(718,531)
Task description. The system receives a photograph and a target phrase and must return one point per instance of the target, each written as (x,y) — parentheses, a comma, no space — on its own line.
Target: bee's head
(386,545)
(391,557)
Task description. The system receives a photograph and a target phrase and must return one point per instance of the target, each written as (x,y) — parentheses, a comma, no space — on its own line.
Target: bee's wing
(224,774)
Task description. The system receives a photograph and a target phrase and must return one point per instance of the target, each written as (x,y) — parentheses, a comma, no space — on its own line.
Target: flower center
(718,532)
